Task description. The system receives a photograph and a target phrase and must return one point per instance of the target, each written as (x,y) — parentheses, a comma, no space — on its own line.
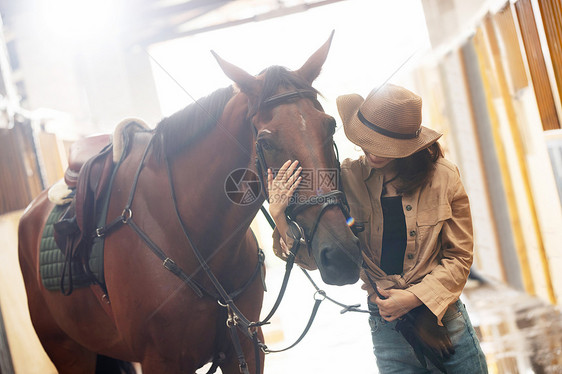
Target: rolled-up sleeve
(444,284)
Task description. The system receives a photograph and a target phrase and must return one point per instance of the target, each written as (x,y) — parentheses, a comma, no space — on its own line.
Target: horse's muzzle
(339,265)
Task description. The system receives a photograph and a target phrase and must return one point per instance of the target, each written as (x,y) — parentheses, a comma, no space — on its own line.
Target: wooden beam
(279,12)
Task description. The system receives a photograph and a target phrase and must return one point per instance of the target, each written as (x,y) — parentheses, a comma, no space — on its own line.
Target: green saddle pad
(51,258)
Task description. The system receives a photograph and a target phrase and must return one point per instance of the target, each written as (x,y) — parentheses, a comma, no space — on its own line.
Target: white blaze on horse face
(303,123)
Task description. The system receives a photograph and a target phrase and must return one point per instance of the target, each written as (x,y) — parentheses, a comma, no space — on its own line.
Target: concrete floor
(518,333)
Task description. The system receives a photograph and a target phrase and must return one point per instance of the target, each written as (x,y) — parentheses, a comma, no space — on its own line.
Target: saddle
(90,177)
(89,174)
(80,152)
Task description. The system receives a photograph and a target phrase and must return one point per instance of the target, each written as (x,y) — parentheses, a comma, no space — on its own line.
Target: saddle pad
(51,258)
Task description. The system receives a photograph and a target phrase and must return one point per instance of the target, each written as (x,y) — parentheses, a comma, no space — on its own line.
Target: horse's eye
(266,144)
(331,124)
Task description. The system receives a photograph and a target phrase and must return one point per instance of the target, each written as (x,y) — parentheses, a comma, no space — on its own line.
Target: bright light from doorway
(373,39)
(77,20)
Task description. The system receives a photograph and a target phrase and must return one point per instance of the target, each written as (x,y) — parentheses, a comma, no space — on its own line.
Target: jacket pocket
(430,222)
(431,217)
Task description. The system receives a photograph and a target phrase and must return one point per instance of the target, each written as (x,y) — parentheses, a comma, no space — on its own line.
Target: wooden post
(6,365)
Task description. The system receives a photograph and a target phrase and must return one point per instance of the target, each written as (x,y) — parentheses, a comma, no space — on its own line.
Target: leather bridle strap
(317,302)
(346,308)
(281,98)
(224,298)
(261,166)
(286,96)
(275,100)
(126,217)
(291,259)
(296,233)
(330,199)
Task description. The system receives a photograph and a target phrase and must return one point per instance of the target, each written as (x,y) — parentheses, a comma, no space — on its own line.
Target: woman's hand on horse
(397,303)
(282,187)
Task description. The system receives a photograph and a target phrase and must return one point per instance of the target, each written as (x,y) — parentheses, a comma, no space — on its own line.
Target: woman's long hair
(414,171)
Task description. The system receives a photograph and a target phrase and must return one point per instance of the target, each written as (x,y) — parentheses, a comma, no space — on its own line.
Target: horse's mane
(189,124)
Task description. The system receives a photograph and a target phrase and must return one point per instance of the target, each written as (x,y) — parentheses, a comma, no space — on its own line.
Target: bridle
(236,319)
(326,200)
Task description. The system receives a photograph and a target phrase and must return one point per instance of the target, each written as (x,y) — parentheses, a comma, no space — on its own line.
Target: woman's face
(376,161)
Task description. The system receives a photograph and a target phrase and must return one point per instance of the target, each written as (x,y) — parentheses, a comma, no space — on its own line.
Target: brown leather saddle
(89,174)
(80,152)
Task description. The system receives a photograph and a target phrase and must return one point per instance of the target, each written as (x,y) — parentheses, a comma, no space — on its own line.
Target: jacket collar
(367,170)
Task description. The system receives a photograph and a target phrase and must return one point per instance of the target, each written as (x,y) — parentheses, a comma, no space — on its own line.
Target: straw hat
(387,123)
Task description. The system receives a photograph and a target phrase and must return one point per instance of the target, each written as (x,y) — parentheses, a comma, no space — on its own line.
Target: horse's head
(290,124)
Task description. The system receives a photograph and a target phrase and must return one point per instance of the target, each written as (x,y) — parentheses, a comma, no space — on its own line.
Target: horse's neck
(202,171)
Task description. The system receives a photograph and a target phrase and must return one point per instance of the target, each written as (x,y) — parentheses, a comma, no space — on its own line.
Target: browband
(288,95)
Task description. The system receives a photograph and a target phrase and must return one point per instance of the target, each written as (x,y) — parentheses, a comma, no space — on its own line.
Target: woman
(417,238)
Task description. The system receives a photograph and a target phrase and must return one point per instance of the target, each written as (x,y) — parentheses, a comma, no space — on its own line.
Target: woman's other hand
(397,303)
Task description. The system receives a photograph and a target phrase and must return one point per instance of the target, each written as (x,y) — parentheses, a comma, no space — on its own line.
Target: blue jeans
(395,355)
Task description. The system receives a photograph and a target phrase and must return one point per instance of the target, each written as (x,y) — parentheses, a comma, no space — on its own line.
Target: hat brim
(373,142)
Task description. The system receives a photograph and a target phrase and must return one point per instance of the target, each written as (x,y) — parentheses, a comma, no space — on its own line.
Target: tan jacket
(438,230)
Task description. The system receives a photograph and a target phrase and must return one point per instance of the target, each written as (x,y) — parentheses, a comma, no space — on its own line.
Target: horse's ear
(247,82)
(311,68)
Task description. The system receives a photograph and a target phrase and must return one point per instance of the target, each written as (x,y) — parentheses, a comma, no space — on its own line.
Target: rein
(225,299)
(126,218)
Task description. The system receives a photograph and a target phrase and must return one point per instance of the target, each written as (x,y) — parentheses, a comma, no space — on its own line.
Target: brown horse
(155,318)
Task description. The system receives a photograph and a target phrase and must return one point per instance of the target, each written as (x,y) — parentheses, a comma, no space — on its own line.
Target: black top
(394,235)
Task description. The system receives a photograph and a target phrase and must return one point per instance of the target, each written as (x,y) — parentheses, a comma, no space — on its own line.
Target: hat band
(385,132)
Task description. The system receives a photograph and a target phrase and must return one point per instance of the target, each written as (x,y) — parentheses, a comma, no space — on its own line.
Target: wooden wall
(29,162)
(20,179)
(501,97)
(537,66)
(551,14)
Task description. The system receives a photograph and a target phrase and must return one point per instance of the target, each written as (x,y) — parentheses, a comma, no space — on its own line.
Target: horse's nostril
(325,256)
(331,257)
(337,266)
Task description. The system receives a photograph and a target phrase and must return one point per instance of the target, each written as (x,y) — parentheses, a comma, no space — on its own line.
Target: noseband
(325,201)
